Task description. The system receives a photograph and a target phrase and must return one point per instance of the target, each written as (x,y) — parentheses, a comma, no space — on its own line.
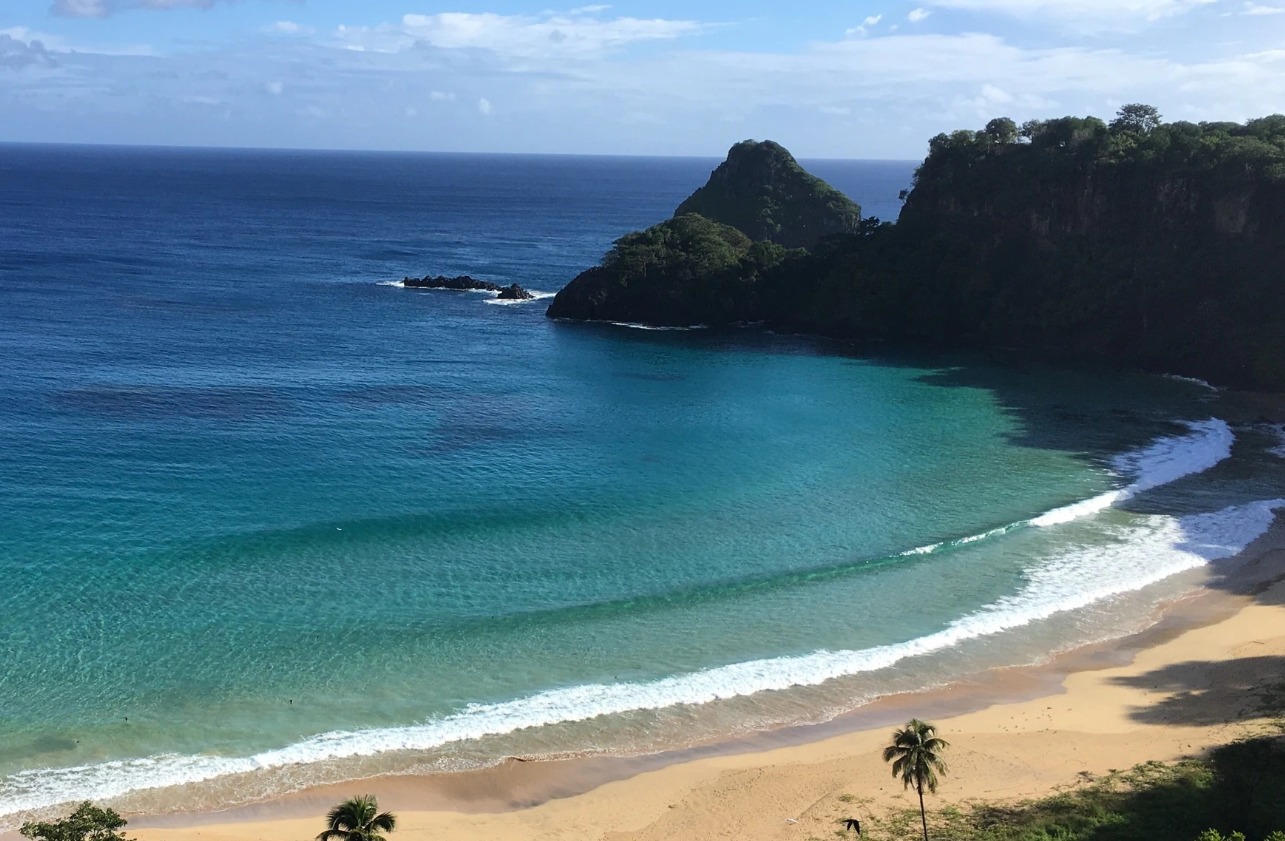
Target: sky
(826,78)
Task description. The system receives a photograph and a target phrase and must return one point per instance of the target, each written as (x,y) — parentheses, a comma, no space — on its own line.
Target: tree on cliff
(915,754)
(1001,130)
(1136,117)
(358,819)
(87,823)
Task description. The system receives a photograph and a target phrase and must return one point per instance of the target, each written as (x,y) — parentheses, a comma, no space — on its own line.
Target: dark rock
(462,283)
(513,292)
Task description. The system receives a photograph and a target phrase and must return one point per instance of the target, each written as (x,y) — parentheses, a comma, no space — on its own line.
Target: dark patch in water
(391,395)
(455,438)
(172,403)
(647,377)
(49,744)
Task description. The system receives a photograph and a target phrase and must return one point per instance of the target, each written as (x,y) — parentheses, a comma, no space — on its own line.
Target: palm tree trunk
(923,816)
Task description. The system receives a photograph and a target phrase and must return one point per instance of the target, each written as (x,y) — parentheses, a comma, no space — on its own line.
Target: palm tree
(358,819)
(915,754)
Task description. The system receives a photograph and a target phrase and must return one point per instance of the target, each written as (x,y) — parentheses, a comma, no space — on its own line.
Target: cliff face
(1005,197)
(1081,253)
(763,192)
(1162,250)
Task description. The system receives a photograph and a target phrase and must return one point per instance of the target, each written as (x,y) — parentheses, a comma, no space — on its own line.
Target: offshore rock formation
(763,192)
(464,282)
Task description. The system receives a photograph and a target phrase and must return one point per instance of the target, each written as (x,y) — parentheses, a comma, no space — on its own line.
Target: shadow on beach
(1208,694)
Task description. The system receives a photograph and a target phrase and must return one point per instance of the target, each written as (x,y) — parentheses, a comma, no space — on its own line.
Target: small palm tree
(358,819)
(915,754)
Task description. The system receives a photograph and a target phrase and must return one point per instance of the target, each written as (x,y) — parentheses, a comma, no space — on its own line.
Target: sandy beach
(1189,683)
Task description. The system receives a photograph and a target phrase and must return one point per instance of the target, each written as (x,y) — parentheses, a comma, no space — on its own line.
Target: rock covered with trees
(763,192)
(1137,243)
(707,265)
(685,271)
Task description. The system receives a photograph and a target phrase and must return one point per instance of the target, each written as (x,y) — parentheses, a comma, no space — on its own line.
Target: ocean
(268,519)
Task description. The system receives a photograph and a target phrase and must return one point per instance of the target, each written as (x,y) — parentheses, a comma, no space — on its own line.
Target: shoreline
(1081,701)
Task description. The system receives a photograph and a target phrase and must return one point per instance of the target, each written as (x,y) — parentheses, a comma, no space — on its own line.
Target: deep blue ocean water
(267,519)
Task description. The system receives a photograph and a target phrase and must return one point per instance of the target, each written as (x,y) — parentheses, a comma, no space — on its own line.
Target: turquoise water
(267,519)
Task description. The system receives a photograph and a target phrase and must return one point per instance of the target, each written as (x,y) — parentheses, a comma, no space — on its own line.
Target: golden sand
(1189,685)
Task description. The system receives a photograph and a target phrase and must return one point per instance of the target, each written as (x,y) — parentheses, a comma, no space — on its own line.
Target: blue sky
(855,79)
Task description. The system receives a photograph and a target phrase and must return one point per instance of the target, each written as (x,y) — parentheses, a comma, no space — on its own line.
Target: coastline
(1169,691)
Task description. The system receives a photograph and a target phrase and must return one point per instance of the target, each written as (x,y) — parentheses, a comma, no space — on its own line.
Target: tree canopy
(87,823)
(915,754)
(357,819)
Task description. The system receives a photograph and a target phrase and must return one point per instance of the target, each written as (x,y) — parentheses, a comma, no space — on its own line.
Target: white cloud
(80,8)
(105,8)
(56,44)
(1259,9)
(997,95)
(275,88)
(549,36)
(583,95)
(1082,11)
(29,37)
(864,29)
(918,15)
(17,55)
(289,27)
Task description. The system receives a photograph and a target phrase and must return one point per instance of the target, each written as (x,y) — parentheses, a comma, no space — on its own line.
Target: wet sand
(1193,681)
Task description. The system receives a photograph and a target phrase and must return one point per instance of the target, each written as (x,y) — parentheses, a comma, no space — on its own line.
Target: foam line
(1158,547)
(1193,380)
(635,326)
(1161,462)
(536,295)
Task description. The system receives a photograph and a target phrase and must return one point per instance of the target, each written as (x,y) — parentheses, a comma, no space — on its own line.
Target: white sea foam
(1280,450)
(636,326)
(1163,461)
(536,295)
(1193,380)
(398,283)
(1157,547)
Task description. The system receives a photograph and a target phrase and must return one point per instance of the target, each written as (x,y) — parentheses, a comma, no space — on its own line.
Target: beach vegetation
(1232,794)
(87,823)
(357,819)
(915,754)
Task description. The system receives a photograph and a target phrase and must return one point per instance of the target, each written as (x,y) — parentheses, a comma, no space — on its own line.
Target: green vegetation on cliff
(1143,244)
(684,271)
(763,192)
(1140,244)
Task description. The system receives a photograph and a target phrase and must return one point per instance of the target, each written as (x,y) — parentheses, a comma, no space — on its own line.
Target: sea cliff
(1137,244)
